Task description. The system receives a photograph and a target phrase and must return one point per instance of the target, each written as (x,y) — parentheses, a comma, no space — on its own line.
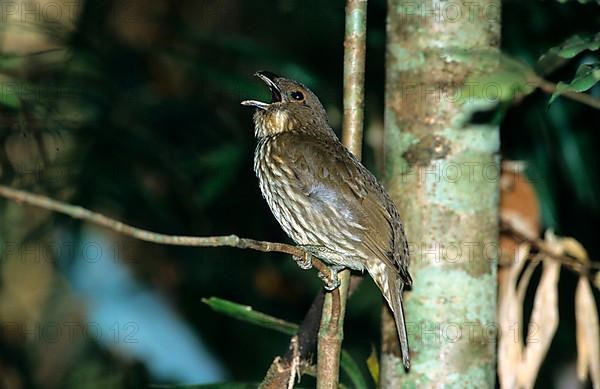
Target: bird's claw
(304,262)
(330,277)
(331,280)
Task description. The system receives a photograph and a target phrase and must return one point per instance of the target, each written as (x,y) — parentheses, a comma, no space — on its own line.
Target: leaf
(576,44)
(246,313)
(585,78)
(542,325)
(350,367)
(557,56)
(510,313)
(588,333)
(575,249)
(373,366)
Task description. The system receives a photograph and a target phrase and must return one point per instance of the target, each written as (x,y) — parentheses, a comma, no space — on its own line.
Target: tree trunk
(443,172)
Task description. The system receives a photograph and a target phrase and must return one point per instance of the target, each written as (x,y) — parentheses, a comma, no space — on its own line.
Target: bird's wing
(338,188)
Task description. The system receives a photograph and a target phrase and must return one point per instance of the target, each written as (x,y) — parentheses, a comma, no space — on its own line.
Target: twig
(329,345)
(583,268)
(355,47)
(354,95)
(354,75)
(550,87)
(81,213)
(330,338)
(281,372)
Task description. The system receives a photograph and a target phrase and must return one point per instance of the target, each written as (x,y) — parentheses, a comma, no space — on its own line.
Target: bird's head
(293,108)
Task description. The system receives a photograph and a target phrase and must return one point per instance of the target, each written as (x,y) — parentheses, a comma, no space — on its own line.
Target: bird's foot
(325,255)
(331,280)
(304,262)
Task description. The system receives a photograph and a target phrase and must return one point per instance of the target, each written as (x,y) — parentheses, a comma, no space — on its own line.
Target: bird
(324,199)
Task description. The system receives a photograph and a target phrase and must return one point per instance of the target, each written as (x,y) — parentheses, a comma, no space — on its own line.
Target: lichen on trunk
(443,172)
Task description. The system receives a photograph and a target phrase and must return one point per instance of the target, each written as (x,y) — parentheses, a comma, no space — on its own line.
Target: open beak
(269,79)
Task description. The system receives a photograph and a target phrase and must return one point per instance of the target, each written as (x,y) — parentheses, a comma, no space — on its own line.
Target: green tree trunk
(443,172)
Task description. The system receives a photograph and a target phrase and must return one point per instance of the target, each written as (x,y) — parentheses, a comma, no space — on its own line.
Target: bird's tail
(395,287)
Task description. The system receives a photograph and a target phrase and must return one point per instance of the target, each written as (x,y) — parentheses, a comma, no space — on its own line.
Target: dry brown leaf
(575,249)
(542,326)
(588,333)
(525,278)
(510,311)
(583,353)
(518,199)
(519,363)
(553,243)
(518,207)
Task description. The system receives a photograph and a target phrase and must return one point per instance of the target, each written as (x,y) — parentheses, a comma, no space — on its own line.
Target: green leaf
(373,366)
(558,55)
(246,313)
(576,44)
(585,78)
(350,367)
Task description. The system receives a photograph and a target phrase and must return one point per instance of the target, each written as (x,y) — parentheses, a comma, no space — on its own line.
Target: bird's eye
(298,96)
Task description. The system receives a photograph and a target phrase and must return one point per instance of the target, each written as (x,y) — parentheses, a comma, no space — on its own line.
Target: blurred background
(132,109)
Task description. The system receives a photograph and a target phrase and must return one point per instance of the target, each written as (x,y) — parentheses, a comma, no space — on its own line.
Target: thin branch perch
(333,306)
(583,98)
(283,370)
(81,213)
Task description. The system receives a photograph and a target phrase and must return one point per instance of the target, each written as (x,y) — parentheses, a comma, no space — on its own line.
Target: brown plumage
(323,197)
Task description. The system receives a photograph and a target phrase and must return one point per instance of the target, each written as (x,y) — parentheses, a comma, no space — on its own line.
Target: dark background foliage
(149,124)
